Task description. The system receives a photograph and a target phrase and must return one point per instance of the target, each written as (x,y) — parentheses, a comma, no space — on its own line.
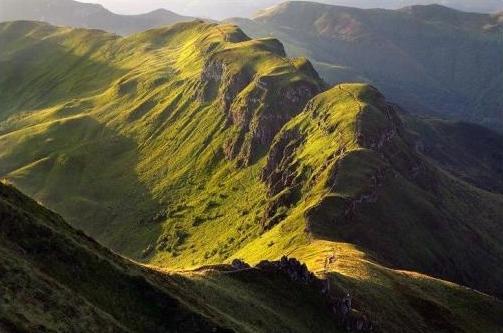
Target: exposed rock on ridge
(257,98)
(339,303)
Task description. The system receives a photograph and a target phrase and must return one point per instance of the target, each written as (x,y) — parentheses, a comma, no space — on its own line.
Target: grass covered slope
(193,145)
(42,256)
(56,279)
(166,118)
(347,166)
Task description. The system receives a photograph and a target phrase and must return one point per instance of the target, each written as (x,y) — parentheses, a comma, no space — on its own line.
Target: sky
(129,6)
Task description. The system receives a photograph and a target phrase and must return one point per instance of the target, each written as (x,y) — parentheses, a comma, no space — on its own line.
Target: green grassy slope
(42,256)
(166,122)
(56,279)
(395,301)
(193,145)
(346,166)
(257,301)
(427,58)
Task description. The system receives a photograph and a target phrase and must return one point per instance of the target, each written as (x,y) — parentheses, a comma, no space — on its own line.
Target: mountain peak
(432,11)
(297,8)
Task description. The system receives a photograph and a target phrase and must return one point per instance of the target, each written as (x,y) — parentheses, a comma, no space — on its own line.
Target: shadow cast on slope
(450,232)
(424,303)
(86,172)
(50,251)
(42,65)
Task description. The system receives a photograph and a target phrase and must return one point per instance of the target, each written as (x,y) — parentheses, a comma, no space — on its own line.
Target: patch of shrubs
(172,242)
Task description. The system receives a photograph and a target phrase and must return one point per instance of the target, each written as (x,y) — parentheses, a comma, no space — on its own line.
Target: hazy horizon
(219,9)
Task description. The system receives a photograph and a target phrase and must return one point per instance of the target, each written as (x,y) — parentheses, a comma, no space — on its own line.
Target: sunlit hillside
(208,158)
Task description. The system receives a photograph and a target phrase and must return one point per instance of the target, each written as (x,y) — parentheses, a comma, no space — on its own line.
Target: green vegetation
(362,182)
(45,264)
(56,279)
(193,145)
(46,255)
(153,122)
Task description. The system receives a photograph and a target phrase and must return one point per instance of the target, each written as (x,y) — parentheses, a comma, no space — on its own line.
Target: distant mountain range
(430,59)
(84,15)
(221,9)
(69,12)
(482,6)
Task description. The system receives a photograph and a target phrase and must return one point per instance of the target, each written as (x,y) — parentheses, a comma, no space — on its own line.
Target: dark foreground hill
(427,58)
(55,279)
(83,15)
(194,144)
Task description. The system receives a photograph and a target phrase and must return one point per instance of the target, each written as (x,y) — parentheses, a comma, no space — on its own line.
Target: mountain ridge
(172,147)
(222,9)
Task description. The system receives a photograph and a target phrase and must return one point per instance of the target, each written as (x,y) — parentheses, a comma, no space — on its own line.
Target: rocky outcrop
(259,93)
(220,82)
(291,268)
(389,141)
(340,306)
(279,171)
(256,105)
(390,128)
(370,196)
(261,110)
(280,175)
(238,264)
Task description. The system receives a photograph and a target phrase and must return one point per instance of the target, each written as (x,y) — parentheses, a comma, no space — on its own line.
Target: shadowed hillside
(453,146)
(429,59)
(50,271)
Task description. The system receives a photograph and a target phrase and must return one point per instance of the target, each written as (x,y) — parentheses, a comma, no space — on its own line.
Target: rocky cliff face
(257,99)
(260,111)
